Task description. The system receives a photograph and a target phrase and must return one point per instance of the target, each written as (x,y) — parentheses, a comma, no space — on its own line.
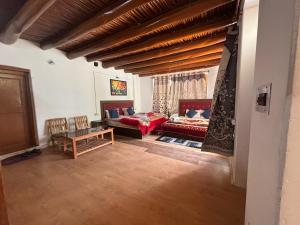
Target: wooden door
(3,212)
(17,126)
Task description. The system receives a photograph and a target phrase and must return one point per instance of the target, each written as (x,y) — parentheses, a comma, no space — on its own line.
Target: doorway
(17,114)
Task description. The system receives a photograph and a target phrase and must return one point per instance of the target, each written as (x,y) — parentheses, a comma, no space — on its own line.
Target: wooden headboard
(196,104)
(117,104)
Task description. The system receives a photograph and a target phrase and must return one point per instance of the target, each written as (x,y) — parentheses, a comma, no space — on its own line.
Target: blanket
(145,122)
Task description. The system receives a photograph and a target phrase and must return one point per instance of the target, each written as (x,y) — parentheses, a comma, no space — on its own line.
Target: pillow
(125,111)
(173,117)
(197,115)
(191,113)
(130,111)
(107,114)
(113,113)
(206,113)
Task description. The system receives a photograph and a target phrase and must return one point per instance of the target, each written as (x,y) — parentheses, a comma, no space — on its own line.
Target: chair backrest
(81,122)
(57,125)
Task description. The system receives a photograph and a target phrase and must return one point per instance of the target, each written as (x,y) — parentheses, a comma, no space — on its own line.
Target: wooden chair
(56,126)
(81,122)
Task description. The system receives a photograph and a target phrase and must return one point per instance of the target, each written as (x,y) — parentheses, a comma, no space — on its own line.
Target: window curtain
(220,134)
(186,86)
(169,89)
(160,94)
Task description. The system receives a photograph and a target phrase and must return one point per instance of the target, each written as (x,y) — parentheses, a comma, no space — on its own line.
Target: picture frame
(118,87)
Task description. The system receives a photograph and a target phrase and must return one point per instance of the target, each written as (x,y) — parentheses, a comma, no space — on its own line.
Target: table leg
(102,136)
(112,137)
(65,144)
(74,149)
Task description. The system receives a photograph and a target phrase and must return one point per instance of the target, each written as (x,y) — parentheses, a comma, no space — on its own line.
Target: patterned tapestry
(220,134)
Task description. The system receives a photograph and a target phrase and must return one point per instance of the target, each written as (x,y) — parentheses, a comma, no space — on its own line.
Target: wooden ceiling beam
(161,52)
(190,67)
(218,48)
(154,42)
(103,17)
(183,13)
(175,64)
(26,16)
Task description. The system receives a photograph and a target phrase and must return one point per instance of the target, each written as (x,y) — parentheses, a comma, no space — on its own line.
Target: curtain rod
(189,71)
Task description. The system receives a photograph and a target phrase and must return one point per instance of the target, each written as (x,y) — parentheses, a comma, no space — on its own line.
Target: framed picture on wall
(118,87)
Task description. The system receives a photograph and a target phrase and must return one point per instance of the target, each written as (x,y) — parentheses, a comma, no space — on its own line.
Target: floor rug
(180,141)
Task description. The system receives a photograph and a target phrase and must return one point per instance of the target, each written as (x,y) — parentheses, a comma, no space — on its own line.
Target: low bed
(183,127)
(137,125)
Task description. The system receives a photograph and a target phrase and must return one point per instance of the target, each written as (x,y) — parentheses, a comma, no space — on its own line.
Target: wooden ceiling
(143,37)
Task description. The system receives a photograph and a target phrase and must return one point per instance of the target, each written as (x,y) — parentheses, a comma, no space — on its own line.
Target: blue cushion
(191,113)
(130,111)
(206,113)
(113,113)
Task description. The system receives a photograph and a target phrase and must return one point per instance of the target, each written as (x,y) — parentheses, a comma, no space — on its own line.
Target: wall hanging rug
(220,133)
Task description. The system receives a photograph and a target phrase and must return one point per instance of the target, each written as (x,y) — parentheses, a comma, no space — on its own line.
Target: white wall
(146,94)
(65,89)
(211,81)
(244,94)
(268,133)
(290,204)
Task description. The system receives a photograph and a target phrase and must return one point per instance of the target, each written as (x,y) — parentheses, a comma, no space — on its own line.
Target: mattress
(117,123)
(195,129)
(146,124)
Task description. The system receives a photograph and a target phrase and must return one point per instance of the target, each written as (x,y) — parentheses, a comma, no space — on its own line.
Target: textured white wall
(251,3)
(211,81)
(244,94)
(146,94)
(290,203)
(143,91)
(268,132)
(65,89)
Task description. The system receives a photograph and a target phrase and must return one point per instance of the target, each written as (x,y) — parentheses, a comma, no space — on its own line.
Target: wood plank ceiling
(144,37)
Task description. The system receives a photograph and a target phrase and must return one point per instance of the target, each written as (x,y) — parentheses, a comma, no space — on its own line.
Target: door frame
(29,95)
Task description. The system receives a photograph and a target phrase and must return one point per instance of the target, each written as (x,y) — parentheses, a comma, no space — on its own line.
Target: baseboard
(42,146)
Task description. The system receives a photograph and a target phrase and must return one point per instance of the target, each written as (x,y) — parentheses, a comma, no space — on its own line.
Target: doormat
(21,157)
(180,141)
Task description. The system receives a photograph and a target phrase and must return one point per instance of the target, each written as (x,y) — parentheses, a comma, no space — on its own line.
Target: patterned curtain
(220,134)
(160,94)
(186,86)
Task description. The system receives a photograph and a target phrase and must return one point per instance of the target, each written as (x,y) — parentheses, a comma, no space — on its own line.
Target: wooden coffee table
(87,140)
